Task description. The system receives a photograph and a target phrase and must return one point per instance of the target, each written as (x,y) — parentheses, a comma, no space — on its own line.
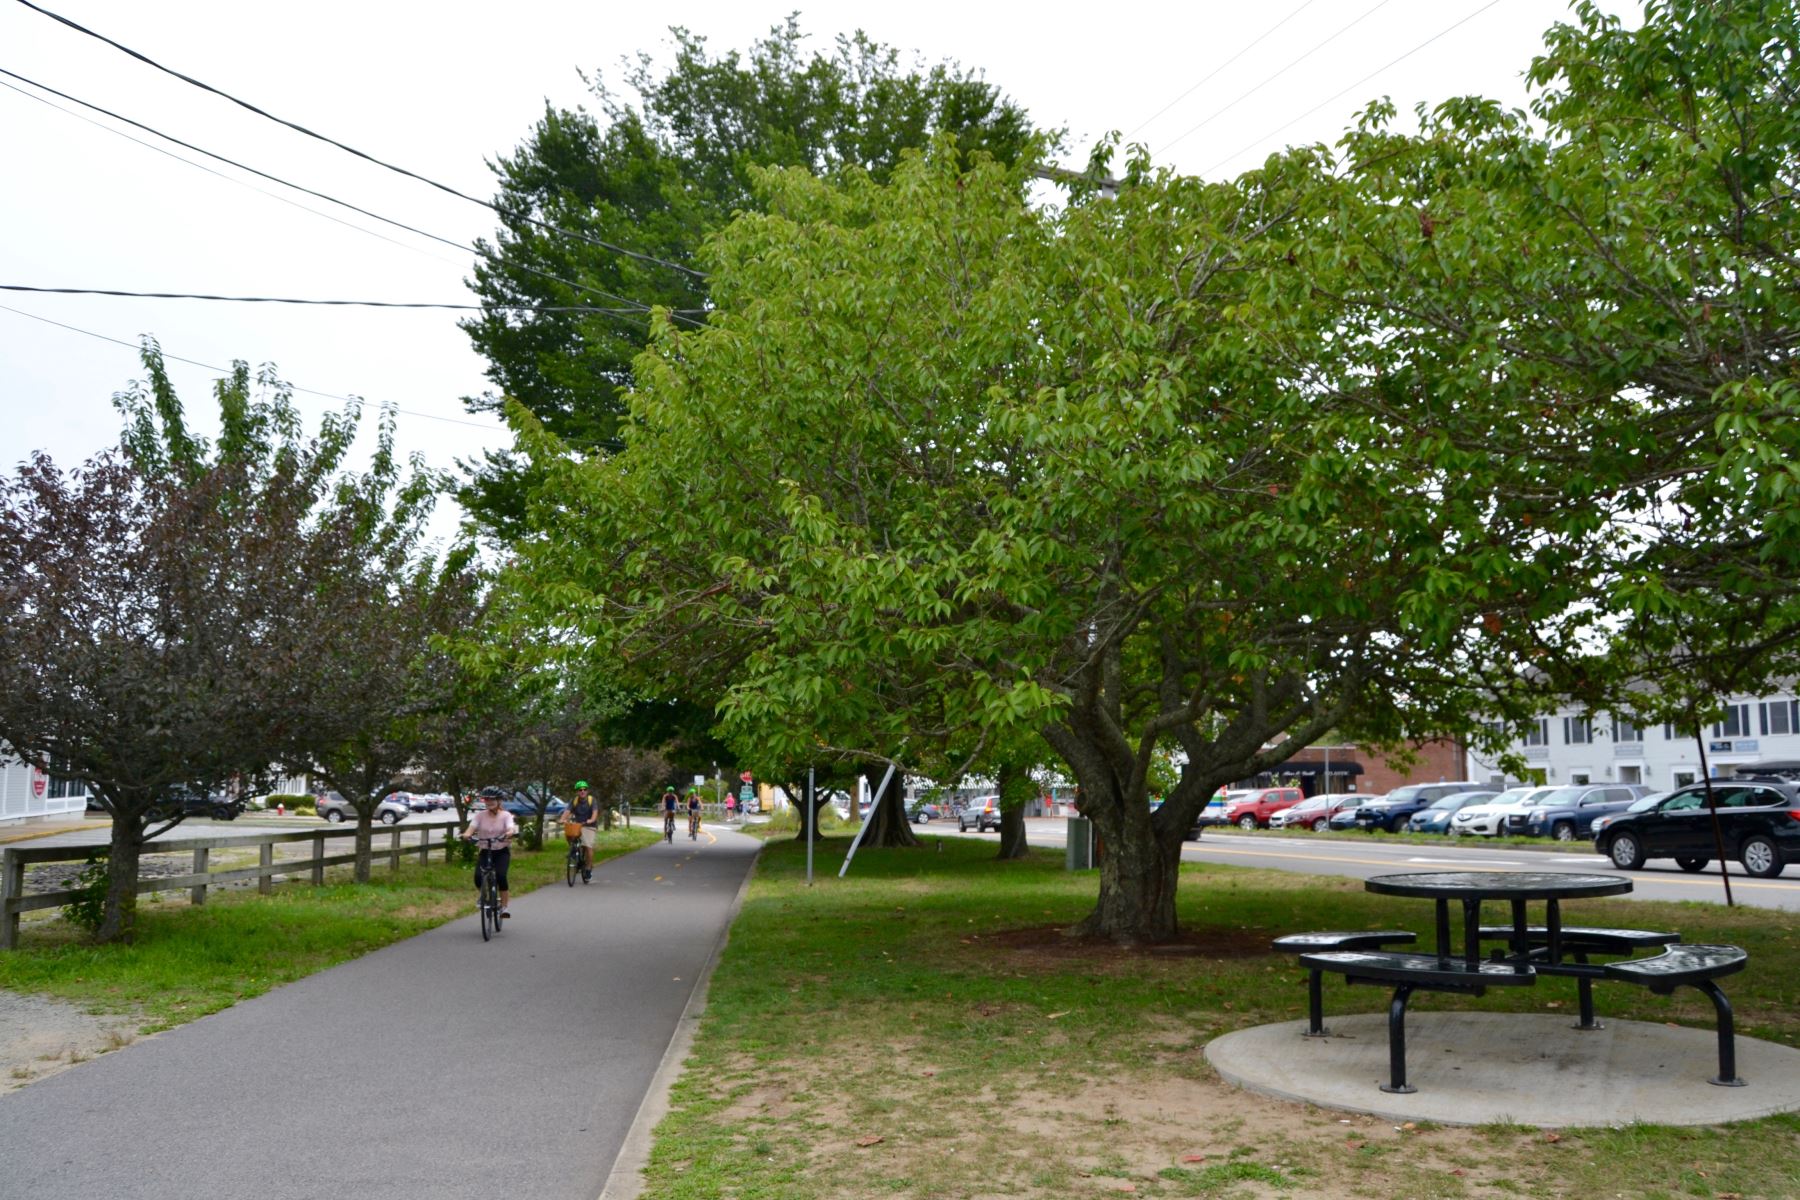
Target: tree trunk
(1013,783)
(119,921)
(1137,883)
(809,822)
(365,827)
(888,825)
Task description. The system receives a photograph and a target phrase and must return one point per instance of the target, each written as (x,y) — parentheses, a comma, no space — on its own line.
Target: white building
(1572,746)
(27,793)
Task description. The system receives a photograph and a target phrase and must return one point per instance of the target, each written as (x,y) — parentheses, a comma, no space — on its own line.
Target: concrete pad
(1472,1068)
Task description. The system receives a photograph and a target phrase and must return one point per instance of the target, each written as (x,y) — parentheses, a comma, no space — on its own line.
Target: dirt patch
(40,1036)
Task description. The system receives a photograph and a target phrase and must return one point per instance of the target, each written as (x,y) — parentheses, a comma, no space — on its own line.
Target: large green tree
(1114,474)
(653,172)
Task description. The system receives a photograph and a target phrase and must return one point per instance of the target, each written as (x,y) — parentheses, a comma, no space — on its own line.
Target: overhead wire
(365,156)
(1354,22)
(1304,4)
(1251,145)
(223,371)
(75,291)
(637,305)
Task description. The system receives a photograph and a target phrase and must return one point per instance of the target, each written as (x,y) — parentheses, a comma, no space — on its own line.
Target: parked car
(1253,809)
(523,808)
(983,813)
(1569,812)
(924,814)
(1435,817)
(335,808)
(1314,811)
(1488,819)
(1641,804)
(1758,824)
(185,802)
(1395,809)
(424,802)
(1214,812)
(1345,818)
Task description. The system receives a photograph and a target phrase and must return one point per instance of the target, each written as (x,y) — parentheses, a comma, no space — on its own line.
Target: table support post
(1472,933)
(1553,929)
(1397,1043)
(1315,1005)
(1584,989)
(1727,1076)
(1443,927)
(1521,938)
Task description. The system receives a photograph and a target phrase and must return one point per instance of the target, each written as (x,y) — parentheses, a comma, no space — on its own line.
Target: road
(1359,859)
(438,1067)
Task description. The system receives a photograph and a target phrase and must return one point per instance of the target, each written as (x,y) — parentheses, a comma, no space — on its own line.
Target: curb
(626,1179)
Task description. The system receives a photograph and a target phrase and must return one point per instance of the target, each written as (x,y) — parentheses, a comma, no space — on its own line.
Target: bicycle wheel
(489,914)
(573,864)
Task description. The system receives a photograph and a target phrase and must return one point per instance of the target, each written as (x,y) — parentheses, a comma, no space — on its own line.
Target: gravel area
(40,1036)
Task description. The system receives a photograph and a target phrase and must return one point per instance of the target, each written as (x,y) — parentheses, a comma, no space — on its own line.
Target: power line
(73,291)
(222,371)
(220,174)
(298,128)
(638,305)
(1336,95)
(1304,4)
(1379,4)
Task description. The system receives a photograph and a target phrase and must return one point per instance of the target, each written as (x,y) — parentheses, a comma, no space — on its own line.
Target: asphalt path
(1660,879)
(440,1066)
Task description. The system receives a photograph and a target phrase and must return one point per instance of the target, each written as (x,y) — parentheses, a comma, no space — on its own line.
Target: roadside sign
(37,785)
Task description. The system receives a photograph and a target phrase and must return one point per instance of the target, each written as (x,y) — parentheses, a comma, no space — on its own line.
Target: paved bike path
(441,1066)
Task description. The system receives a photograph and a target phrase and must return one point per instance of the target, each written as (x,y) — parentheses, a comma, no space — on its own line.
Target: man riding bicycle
(491,827)
(585,813)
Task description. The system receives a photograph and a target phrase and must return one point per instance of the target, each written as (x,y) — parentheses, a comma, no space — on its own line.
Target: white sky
(439,87)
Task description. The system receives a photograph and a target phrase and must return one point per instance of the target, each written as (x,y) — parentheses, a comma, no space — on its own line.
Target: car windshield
(1453,801)
(1560,796)
(1646,803)
(1403,795)
(1512,796)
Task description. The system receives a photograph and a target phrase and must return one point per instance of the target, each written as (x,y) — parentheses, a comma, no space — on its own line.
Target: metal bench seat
(1409,973)
(1586,939)
(1695,966)
(1335,939)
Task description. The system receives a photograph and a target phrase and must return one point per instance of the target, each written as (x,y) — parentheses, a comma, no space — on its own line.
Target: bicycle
(694,825)
(669,827)
(489,887)
(574,866)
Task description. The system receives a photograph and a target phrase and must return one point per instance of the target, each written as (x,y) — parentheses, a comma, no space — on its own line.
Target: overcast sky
(440,87)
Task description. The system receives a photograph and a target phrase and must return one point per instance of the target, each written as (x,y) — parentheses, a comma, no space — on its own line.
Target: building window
(1625,731)
(1538,732)
(1736,723)
(1577,731)
(61,786)
(1778,717)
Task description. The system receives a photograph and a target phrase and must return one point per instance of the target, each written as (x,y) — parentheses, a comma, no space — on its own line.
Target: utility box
(1079,852)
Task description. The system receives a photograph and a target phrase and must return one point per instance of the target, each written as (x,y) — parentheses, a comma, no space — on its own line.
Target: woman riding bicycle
(693,809)
(668,806)
(491,827)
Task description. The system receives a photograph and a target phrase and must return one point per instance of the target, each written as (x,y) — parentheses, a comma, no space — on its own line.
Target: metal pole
(864,827)
(812,818)
(1326,789)
(1712,807)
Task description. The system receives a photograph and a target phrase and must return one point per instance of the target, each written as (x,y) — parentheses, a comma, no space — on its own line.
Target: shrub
(88,907)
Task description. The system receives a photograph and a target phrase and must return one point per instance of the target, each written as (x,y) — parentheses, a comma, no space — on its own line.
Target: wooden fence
(14,859)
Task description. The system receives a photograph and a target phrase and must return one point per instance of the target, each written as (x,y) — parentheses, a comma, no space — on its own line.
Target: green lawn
(929,1001)
(190,960)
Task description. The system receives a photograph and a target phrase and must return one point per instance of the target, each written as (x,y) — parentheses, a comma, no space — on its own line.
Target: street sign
(37,785)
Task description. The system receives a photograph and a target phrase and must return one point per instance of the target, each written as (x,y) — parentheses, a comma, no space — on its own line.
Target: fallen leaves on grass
(870,1139)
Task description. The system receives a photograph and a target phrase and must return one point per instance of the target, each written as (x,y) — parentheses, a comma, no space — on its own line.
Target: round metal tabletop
(1497,885)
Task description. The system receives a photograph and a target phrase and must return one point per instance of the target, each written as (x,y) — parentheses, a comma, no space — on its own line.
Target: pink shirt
(491,825)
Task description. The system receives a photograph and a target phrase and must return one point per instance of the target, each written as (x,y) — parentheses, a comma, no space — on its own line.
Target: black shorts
(502,859)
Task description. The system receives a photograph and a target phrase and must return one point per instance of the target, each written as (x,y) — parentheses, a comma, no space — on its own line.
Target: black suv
(184,802)
(1759,820)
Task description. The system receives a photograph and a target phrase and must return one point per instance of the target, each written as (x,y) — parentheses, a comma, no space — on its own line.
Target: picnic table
(1525,952)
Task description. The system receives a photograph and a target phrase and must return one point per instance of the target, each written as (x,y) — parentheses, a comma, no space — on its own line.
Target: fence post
(198,893)
(319,859)
(424,845)
(394,852)
(12,886)
(265,883)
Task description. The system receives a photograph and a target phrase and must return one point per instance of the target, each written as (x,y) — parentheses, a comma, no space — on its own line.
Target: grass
(928,1002)
(187,960)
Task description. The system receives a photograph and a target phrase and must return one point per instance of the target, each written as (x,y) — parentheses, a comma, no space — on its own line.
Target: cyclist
(668,806)
(587,815)
(493,825)
(693,807)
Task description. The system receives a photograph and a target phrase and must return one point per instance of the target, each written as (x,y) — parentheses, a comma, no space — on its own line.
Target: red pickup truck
(1253,810)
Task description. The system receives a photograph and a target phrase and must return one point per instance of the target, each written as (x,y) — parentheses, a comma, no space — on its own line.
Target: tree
(658,170)
(1112,474)
(148,604)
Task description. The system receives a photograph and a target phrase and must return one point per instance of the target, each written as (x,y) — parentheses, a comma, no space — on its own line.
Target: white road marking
(1479,862)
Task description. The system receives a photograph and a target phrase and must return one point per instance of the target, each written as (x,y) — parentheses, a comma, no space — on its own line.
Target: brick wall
(1433,762)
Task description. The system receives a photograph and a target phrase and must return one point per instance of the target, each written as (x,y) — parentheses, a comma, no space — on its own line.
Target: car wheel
(1626,852)
(223,812)
(388,818)
(1246,822)
(1318,824)
(1692,864)
(1563,831)
(335,816)
(1397,825)
(1760,858)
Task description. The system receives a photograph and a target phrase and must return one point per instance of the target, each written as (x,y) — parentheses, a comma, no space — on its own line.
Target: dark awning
(1335,766)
